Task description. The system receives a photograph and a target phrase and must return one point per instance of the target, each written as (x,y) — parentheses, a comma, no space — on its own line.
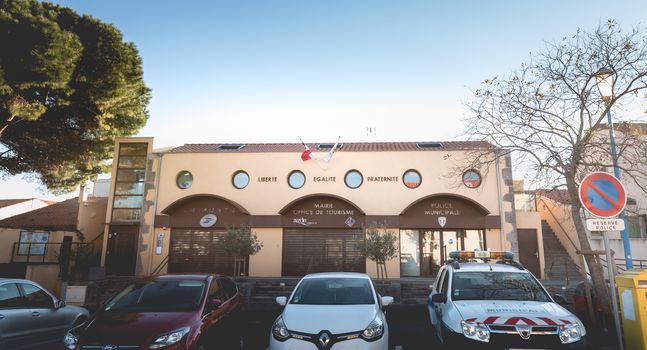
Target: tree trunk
(595,267)
(6,124)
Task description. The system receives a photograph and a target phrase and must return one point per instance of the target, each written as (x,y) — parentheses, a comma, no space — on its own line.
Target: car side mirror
(59,304)
(281,300)
(214,304)
(560,299)
(439,298)
(386,301)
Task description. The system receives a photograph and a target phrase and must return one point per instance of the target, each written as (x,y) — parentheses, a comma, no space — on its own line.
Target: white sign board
(75,295)
(605,224)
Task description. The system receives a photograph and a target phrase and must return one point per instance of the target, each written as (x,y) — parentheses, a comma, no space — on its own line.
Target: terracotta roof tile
(346,147)
(60,216)
(8,202)
(560,196)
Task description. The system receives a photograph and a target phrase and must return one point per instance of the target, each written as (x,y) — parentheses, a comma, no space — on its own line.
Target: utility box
(632,292)
(75,295)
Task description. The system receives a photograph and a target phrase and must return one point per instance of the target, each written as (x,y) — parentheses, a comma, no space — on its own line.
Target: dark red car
(179,312)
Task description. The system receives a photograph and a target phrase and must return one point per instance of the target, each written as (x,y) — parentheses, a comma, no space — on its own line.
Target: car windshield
(488,285)
(333,291)
(159,296)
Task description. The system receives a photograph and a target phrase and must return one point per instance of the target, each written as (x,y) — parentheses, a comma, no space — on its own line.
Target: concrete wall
(212,173)
(267,262)
(46,276)
(91,219)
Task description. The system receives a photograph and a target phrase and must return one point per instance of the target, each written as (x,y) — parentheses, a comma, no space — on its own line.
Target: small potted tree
(241,242)
(379,245)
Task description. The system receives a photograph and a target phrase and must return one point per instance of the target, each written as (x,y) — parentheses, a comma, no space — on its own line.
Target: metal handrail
(47,255)
(642,263)
(560,225)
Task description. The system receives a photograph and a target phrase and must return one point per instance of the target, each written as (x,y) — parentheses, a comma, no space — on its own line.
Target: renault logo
(524,331)
(324,340)
(108,347)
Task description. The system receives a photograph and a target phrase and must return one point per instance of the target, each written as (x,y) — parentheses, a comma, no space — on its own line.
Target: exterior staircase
(558,264)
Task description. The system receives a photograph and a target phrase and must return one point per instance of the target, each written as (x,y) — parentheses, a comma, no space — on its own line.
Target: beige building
(31,243)
(168,210)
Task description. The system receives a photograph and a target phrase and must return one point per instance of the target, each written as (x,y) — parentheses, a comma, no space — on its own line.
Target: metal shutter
(321,250)
(199,251)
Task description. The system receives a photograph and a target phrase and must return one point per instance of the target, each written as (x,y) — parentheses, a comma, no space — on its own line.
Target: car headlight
(475,331)
(70,341)
(279,330)
(570,333)
(374,330)
(169,338)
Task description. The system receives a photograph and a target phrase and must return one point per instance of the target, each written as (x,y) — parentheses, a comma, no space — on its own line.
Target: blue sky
(277,71)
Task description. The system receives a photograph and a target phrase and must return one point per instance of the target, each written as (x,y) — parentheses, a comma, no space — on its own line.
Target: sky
(280,70)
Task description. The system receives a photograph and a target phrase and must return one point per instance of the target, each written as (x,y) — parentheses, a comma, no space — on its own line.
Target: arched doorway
(435,225)
(198,225)
(320,234)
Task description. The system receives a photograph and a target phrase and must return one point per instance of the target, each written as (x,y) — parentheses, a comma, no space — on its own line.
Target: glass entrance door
(410,253)
(454,240)
(430,253)
(419,253)
(423,252)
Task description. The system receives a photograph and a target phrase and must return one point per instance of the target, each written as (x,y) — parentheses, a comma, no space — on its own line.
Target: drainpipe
(500,200)
(153,233)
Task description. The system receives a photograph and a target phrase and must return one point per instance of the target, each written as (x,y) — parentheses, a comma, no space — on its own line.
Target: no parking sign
(602,195)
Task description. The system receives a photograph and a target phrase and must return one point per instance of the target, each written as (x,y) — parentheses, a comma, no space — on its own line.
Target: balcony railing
(48,253)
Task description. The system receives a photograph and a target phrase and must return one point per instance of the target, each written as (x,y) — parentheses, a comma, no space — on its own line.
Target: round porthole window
(240,179)
(472,179)
(353,179)
(296,179)
(411,178)
(184,180)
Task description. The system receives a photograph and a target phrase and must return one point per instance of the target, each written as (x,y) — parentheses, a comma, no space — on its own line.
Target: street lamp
(604,80)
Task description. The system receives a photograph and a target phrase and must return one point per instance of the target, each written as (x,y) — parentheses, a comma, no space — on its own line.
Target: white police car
(498,305)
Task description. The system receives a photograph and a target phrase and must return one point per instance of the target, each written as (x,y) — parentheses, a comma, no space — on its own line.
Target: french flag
(307,154)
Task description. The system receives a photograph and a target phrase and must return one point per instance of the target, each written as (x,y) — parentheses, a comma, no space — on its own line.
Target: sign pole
(616,171)
(612,286)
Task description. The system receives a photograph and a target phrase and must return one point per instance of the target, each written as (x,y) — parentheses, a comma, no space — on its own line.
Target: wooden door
(121,255)
(529,250)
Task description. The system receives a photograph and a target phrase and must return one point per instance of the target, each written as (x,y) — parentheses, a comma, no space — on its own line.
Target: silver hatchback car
(32,318)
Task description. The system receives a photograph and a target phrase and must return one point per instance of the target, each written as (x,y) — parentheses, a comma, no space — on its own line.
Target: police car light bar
(481,254)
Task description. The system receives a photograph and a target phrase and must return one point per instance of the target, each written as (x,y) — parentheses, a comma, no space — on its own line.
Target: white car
(498,305)
(332,311)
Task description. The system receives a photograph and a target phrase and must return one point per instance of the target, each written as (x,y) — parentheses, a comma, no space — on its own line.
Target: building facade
(169,210)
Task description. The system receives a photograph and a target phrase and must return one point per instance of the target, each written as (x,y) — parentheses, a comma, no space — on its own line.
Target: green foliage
(83,256)
(379,245)
(241,241)
(69,85)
